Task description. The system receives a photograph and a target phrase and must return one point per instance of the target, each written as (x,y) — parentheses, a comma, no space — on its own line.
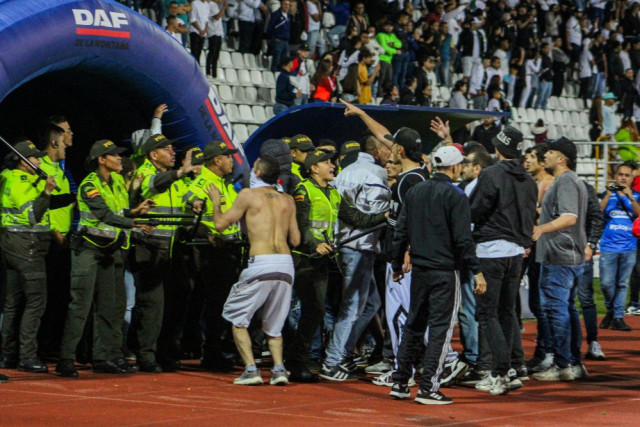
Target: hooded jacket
(503,205)
(281,151)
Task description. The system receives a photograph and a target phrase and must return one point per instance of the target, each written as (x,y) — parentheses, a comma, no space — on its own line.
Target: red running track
(610,396)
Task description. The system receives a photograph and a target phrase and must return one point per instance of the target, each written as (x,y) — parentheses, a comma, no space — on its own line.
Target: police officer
(300,146)
(58,260)
(318,207)
(103,203)
(152,252)
(25,241)
(218,263)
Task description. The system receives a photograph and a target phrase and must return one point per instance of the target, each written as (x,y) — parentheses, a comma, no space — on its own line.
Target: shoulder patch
(299,197)
(92,192)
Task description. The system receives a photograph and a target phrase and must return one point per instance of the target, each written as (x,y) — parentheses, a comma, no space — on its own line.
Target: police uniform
(25,241)
(58,262)
(152,262)
(105,217)
(317,211)
(304,144)
(218,264)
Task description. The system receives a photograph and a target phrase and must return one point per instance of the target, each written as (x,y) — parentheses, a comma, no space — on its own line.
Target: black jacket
(595,217)
(503,205)
(436,223)
(465,43)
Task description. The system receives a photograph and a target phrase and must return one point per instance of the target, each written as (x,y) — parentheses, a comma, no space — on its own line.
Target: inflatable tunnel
(105,68)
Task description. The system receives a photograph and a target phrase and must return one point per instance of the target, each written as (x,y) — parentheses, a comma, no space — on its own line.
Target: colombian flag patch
(299,198)
(93,193)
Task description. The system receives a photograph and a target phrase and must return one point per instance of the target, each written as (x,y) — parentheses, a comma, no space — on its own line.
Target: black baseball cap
(565,146)
(317,156)
(509,142)
(28,149)
(409,139)
(102,148)
(304,46)
(197,156)
(154,142)
(301,142)
(217,148)
(349,147)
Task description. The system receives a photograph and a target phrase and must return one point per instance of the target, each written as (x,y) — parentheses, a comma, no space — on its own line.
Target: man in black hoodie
(503,209)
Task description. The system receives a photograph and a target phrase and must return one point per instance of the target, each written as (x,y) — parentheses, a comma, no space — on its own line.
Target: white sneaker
(386,380)
(595,351)
(501,386)
(554,373)
(546,363)
(249,378)
(579,371)
(452,372)
(381,367)
(486,383)
(632,311)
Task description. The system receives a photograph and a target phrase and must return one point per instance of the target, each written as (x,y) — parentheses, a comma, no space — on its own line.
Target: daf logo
(99,18)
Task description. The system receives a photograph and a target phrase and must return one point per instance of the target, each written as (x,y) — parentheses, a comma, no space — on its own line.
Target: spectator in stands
(285,95)
(341,14)
(297,25)
(478,84)
(628,132)
(598,51)
(539,132)
(314,23)
(400,61)
(502,54)
(198,27)
(618,247)
(180,9)
(279,32)
(391,44)
(574,40)
(552,21)
(366,79)
(408,92)
(214,35)
(485,132)
(531,68)
(608,116)
(358,20)
(516,63)
(175,28)
(595,118)
(348,57)
(615,68)
(351,88)
(470,47)
(426,76)
(545,85)
(458,98)
(444,43)
(324,82)
(299,70)
(560,61)
(246,22)
(629,93)
(370,43)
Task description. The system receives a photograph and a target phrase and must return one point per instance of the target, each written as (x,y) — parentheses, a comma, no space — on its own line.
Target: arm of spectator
(318,15)
(355,218)
(632,201)
(156,120)
(442,129)
(483,200)
(378,130)
(389,50)
(220,14)
(560,223)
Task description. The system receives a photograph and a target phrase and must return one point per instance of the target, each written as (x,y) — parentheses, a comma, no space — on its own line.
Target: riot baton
(165,216)
(36,169)
(342,243)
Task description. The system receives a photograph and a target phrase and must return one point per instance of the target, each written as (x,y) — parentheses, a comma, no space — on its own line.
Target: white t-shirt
(504,61)
(215,25)
(199,14)
(312,9)
(575,33)
(585,63)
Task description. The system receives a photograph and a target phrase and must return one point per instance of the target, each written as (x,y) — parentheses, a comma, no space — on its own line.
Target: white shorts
(266,281)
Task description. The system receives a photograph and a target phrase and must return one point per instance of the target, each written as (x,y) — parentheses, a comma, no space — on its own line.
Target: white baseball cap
(449,156)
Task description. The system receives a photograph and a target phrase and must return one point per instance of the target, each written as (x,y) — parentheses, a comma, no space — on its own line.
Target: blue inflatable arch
(115,64)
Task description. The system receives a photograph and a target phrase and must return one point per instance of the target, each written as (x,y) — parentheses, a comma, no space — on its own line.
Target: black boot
(620,325)
(606,322)
(66,368)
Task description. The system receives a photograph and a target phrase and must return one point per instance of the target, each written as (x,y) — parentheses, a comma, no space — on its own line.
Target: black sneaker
(107,367)
(471,377)
(336,373)
(453,372)
(620,325)
(606,322)
(126,366)
(400,391)
(432,398)
(349,364)
(360,361)
(32,365)
(3,378)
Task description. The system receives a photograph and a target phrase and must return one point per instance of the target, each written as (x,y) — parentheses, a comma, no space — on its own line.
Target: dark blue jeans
(279,49)
(558,288)
(400,63)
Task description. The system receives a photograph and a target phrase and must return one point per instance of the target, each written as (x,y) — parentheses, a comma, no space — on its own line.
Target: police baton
(36,169)
(344,242)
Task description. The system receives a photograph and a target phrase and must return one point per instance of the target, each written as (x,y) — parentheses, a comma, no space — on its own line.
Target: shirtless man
(270,221)
(534,164)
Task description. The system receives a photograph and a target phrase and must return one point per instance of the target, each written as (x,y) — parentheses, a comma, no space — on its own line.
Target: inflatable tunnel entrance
(104,67)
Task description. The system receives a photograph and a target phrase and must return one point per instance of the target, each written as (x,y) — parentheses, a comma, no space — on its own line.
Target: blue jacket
(341,12)
(279,26)
(284,90)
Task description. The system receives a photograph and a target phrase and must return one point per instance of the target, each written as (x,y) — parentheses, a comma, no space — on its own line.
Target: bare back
(270,221)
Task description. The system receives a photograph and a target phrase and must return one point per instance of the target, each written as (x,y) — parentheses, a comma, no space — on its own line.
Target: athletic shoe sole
(399,395)
(249,381)
(279,381)
(428,401)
